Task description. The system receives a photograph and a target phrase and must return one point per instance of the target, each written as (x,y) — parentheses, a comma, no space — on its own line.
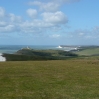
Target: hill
(88,51)
(31,54)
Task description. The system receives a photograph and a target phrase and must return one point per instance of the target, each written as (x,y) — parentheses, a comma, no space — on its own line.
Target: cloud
(85,34)
(55,36)
(55,18)
(2,12)
(14,19)
(3,23)
(81,34)
(38,3)
(7,28)
(49,18)
(66,1)
(49,6)
(50,21)
(9,22)
(38,26)
(96,29)
(32,13)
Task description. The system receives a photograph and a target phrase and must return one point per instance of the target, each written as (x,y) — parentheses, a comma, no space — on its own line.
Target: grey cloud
(3,23)
(56,36)
(96,29)
(36,26)
(14,18)
(7,28)
(2,12)
(85,34)
(32,13)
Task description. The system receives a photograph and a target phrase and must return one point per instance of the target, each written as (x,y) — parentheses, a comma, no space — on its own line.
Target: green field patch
(89,52)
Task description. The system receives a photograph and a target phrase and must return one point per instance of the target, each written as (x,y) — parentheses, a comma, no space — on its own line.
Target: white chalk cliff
(2,58)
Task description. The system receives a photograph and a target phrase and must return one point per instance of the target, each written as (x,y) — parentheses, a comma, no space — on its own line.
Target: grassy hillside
(57,53)
(88,51)
(30,54)
(71,79)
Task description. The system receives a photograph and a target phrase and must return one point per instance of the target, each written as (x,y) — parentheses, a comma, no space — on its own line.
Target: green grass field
(89,51)
(64,79)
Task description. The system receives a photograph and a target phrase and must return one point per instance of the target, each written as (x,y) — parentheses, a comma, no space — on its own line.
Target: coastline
(2,59)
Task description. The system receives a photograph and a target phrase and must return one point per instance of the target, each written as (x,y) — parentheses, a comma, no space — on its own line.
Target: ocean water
(14,48)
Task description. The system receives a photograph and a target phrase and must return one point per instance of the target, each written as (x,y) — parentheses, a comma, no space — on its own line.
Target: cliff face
(2,58)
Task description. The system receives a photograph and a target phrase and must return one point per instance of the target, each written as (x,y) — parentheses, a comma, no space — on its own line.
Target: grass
(64,79)
(89,51)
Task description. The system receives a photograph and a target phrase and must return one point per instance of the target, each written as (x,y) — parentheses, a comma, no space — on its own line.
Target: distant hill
(88,51)
(31,54)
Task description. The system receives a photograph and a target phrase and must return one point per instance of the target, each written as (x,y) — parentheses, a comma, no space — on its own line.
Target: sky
(49,22)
